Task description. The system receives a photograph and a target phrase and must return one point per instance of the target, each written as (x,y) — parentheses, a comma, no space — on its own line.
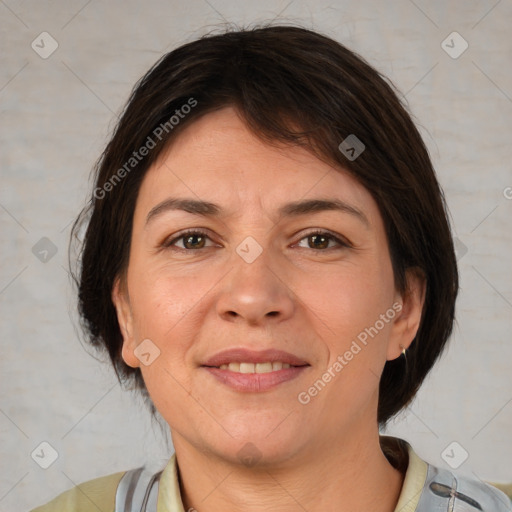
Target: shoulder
(427,487)
(444,488)
(97,494)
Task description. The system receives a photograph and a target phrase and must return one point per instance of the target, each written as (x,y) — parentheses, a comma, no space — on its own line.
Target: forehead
(218,159)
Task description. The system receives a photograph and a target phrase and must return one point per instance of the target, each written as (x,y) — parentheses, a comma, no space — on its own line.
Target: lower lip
(255,382)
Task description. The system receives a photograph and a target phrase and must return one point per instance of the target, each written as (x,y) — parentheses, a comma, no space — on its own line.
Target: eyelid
(340,240)
(167,243)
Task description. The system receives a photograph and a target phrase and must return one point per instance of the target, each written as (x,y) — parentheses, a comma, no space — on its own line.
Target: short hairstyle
(294,86)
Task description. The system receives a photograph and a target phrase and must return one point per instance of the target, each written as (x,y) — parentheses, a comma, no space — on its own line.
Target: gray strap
(446,491)
(443,491)
(152,497)
(138,491)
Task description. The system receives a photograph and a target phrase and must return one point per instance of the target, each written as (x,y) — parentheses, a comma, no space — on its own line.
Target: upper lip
(242,355)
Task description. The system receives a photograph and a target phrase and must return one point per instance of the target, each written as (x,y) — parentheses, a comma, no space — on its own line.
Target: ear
(121,302)
(407,321)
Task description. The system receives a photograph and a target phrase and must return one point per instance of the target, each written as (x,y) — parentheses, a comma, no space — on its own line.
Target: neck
(348,476)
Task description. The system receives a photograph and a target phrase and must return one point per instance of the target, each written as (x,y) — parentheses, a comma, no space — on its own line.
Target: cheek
(161,300)
(353,299)
(355,312)
(169,309)
(165,311)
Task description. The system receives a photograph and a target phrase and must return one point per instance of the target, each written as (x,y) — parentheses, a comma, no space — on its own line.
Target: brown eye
(192,240)
(320,240)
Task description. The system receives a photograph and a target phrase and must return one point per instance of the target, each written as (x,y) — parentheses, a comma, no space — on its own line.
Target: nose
(256,292)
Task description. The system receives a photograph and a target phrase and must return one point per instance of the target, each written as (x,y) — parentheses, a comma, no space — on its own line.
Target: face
(255,284)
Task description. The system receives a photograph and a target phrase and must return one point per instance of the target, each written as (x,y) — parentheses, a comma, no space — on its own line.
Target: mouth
(245,367)
(250,371)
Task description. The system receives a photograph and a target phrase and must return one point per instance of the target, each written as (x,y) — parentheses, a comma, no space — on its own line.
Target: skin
(312,302)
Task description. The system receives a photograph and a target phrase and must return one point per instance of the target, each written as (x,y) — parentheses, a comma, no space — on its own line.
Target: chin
(257,456)
(259,445)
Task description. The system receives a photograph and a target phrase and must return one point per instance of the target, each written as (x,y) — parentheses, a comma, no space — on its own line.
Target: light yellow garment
(94,495)
(102,491)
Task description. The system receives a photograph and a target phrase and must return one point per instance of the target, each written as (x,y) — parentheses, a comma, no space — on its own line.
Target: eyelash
(168,244)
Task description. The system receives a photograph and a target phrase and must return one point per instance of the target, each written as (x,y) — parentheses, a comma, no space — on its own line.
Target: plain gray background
(56,114)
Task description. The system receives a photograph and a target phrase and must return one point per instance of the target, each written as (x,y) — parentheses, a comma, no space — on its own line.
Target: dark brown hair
(290,85)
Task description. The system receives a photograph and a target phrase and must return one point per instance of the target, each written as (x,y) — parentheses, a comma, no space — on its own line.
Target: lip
(255,382)
(243,355)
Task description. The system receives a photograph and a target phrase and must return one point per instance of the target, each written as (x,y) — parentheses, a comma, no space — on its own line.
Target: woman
(268,258)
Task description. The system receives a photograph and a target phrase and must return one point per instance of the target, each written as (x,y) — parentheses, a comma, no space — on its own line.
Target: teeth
(263,367)
(246,367)
(254,367)
(234,367)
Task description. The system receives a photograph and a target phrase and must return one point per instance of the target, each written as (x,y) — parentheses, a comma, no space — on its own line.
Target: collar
(169,495)
(403,457)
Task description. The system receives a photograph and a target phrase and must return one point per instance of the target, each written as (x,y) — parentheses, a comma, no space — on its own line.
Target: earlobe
(125,320)
(407,322)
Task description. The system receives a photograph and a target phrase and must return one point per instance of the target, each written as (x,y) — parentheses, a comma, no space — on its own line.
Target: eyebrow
(293,209)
